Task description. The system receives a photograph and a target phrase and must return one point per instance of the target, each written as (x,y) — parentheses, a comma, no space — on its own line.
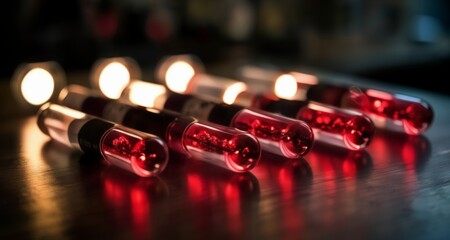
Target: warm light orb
(37,86)
(233,91)
(113,79)
(144,93)
(285,86)
(178,76)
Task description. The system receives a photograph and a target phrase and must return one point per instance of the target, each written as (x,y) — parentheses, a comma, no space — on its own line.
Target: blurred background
(398,41)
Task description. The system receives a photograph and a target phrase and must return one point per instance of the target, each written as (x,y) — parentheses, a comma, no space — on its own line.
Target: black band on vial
(326,93)
(288,108)
(91,133)
(146,121)
(223,114)
(175,101)
(94,105)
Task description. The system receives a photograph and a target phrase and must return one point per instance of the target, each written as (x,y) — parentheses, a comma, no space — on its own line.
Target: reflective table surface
(399,188)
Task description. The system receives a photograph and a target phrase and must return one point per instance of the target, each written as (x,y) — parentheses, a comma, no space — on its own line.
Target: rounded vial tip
(358,132)
(243,153)
(297,140)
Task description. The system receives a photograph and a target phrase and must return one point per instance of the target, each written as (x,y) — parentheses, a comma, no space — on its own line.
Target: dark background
(398,188)
(396,41)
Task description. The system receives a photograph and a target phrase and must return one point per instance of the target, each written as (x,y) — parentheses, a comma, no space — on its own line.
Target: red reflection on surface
(130,198)
(411,151)
(140,209)
(333,163)
(220,195)
(292,178)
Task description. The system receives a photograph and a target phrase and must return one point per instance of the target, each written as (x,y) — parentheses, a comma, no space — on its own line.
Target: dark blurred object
(382,39)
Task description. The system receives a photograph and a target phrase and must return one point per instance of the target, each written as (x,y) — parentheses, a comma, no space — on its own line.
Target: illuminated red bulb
(140,153)
(391,111)
(240,152)
(277,134)
(146,157)
(330,124)
(394,111)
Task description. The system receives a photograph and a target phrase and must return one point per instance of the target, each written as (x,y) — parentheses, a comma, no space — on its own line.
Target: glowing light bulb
(178,76)
(34,84)
(113,79)
(285,86)
(37,86)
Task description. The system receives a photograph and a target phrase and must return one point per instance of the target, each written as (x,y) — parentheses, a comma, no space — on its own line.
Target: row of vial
(133,123)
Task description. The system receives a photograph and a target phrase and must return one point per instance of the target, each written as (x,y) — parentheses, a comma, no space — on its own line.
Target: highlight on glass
(284,136)
(112,75)
(141,153)
(34,84)
(227,147)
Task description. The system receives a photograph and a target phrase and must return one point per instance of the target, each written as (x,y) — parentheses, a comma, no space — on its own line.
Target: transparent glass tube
(140,153)
(223,146)
(396,112)
(332,125)
(284,136)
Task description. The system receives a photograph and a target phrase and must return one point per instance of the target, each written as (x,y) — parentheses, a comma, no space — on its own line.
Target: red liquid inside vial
(285,136)
(356,130)
(143,155)
(410,113)
(236,150)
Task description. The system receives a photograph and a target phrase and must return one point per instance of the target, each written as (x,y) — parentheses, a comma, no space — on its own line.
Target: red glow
(233,203)
(412,150)
(409,155)
(147,156)
(197,190)
(340,163)
(283,135)
(140,209)
(349,168)
(114,193)
(412,113)
(291,177)
(239,151)
(130,199)
(219,195)
(355,129)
